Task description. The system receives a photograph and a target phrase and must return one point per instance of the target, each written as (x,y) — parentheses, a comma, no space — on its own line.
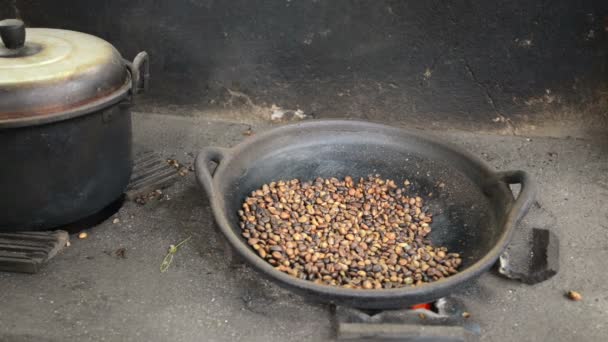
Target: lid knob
(12,32)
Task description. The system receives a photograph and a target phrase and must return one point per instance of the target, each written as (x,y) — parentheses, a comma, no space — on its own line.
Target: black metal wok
(474,210)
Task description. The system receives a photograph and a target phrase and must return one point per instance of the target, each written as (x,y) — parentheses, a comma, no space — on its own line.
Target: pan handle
(204,175)
(526,194)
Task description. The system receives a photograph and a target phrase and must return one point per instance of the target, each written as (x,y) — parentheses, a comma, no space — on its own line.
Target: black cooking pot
(474,209)
(65,125)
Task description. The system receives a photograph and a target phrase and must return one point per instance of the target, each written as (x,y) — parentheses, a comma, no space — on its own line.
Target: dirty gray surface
(89,293)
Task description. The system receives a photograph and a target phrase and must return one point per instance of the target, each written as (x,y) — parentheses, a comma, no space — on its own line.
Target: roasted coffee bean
(365,234)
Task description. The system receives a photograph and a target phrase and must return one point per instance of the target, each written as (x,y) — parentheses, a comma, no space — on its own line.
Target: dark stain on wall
(470,61)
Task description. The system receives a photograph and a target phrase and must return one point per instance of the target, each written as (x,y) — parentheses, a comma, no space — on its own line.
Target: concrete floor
(87,293)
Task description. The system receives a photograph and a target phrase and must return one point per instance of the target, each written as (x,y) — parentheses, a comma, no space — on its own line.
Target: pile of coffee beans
(368,234)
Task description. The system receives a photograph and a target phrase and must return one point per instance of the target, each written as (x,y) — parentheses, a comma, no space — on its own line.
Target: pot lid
(50,74)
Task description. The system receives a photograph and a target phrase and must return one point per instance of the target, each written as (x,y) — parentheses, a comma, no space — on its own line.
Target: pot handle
(203,173)
(12,33)
(140,72)
(526,195)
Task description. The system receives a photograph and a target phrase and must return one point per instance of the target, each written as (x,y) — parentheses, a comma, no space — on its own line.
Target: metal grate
(150,172)
(26,252)
(448,322)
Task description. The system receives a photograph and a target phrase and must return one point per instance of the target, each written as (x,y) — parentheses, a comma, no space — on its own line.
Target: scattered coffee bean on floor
(574,295)
(369,234)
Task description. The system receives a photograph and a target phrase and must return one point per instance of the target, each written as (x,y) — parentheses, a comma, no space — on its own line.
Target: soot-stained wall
(510,62)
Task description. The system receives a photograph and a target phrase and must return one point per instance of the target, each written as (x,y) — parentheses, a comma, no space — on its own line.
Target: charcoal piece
(532,257)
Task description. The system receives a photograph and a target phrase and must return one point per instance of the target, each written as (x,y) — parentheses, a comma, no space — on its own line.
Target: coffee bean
(357,234)
(277,255)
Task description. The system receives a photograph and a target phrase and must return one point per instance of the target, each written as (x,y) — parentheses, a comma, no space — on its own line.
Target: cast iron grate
(26,252)
(446,320)
(150,173)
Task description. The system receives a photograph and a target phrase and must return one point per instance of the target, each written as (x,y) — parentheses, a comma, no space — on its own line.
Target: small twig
(164,266)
